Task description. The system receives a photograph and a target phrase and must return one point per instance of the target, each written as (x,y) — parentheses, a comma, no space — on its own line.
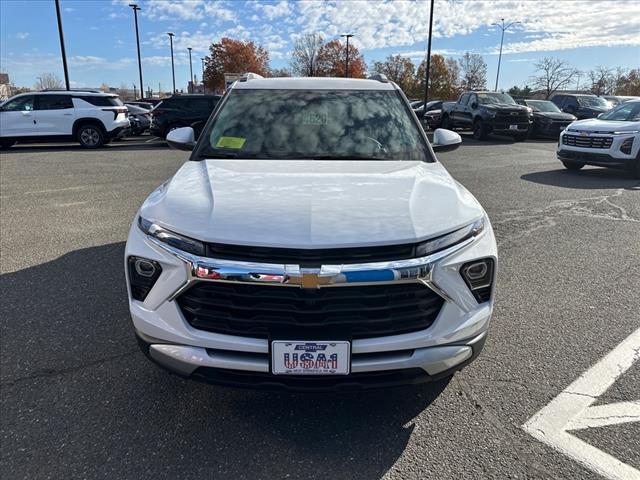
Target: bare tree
(552,74)
(304,58)
(48,80)
(602,80)
(474,72)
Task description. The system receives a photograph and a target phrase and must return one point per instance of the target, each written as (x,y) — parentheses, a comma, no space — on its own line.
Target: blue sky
(100,36)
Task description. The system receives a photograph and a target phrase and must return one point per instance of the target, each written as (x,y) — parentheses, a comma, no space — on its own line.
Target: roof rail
(249,76)
(380,77)
(89,90)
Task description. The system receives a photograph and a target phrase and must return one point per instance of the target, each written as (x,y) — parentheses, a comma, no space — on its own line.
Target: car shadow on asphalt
(70,363)
(589,178)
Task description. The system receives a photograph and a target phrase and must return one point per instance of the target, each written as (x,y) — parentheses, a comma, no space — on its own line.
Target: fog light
(143,274)
(478,275)
(626,146)
(144,267)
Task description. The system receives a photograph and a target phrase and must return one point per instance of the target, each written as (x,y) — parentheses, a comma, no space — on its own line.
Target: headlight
(176,240)
(436,244)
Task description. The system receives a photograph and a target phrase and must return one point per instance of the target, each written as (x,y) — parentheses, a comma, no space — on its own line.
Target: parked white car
(312,241)
(90,118)
(611,140)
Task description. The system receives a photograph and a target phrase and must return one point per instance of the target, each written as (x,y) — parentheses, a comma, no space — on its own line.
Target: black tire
(90,135)
(6,144)
(574,166)
(446,123)
(479,130)
(634,168)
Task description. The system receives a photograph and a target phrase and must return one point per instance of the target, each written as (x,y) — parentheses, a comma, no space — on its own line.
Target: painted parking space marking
(571,410)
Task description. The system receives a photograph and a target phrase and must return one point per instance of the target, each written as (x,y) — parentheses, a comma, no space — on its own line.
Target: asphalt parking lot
(79,400)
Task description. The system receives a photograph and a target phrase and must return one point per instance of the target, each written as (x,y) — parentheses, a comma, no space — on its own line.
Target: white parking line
(572,410)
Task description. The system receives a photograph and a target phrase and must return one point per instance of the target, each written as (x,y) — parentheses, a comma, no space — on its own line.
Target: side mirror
(474,105)
(445,140)
(181,138)
(197,128)
(570,109)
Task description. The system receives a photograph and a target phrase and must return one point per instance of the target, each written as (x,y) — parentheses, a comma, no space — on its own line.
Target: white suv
(91,118)
(312,241)
(611,140)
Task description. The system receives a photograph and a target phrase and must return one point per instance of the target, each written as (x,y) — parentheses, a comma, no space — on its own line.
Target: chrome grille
(586,142)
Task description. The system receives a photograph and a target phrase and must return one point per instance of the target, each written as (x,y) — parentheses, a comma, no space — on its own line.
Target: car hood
(555,115)
(311,204)
(505,107)
(603,126)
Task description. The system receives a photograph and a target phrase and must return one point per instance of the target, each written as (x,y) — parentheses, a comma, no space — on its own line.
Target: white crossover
(312,242)
(611,140)
(88,117)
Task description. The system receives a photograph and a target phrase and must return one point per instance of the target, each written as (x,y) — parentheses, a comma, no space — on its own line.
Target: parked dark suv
(181,111)
(581,105)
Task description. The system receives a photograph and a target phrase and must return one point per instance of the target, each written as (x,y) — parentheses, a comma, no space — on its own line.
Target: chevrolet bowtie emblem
(310,280)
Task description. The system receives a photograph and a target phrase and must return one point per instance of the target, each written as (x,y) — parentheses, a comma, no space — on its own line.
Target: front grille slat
(348,312)
(587,142)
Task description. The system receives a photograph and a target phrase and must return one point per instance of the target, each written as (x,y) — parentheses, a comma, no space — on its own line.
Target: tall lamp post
(135,16)
(348,36)
(204,88)
(173,71)
(426,78)
(190,70)
(504,28)
(64,53)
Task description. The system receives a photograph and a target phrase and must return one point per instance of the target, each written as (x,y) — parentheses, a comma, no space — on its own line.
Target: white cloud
(550,25)
(275,10)
(212,10)
(22,35)
(69,9)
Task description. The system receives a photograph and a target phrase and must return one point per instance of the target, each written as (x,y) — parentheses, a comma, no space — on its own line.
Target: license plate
(513,127)
(310,357)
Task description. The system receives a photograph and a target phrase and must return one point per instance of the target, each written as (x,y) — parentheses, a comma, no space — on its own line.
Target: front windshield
(320,124)
(593,102)
(495,99)
(542,106)
(629,112)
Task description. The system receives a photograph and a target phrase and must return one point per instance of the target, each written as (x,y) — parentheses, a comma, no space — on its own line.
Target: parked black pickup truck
(487,112)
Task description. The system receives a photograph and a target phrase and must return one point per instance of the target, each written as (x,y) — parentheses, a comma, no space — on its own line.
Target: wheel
(446,123)
(572,165)
(90,136)
(479,130)
(6,144)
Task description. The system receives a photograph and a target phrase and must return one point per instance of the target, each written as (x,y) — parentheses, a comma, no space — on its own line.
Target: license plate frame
(319,367)
(513,127)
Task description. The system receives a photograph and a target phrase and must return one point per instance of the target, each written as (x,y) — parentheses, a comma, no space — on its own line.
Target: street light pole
(348,36)
(64,53)
(190,70)
(173,71)
(135,16)
(503,27)
(426,78)
(204,88)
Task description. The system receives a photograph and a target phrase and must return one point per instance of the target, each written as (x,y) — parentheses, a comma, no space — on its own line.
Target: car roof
(311,83)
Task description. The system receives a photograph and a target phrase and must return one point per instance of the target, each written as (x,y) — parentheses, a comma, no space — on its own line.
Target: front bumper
(454,339)
(611,156)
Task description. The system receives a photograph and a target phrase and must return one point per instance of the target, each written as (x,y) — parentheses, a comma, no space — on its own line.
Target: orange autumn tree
(332,59)
(233,56)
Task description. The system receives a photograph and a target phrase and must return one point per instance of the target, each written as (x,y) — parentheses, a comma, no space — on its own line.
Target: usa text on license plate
(291,357)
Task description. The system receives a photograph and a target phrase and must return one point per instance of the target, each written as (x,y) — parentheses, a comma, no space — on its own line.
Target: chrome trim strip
(376,273)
